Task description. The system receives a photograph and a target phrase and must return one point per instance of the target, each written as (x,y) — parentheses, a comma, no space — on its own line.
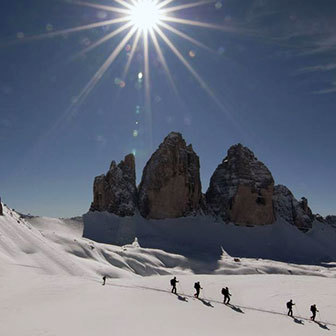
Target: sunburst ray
(97,76)
(187,65)
(102,7)
(199,24)
(185,36)
(104,39)
(164,3)
(130,58)
(191,5)
(148,103)
(163,60)
(124,3)
(75,29)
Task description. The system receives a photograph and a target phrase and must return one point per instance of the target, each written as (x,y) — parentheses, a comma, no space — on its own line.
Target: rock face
(241,189)
(1,211)
(170,185)
(292,211)
(116,192)
(331,220)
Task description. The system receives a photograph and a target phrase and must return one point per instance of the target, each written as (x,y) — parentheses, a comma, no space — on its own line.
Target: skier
(1,211)
(290,305)
(173,283)
(104,280)
(313,309)
(226,293)
(198,287)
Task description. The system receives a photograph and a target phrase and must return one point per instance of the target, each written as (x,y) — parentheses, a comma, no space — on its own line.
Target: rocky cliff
(331,220)
(292,211)
(241,189)
(170,185)
(116,191)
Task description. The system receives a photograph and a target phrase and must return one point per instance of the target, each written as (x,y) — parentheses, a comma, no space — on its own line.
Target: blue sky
(271,72)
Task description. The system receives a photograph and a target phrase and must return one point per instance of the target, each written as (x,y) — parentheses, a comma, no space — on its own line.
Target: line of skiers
(290,305)
(197,286)
(226,293)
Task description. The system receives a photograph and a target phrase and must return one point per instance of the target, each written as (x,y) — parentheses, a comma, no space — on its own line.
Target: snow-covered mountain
(243,211)
(51,269)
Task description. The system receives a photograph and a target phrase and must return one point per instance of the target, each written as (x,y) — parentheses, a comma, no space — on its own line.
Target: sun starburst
(147,19)
(143,20)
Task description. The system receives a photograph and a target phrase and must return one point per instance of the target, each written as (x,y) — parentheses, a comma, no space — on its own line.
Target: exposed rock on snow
(241,189)
(116,192)
(170,185)
(1,211)
(292,211)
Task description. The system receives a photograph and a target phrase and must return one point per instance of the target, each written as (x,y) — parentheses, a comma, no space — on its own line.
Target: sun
(145,15)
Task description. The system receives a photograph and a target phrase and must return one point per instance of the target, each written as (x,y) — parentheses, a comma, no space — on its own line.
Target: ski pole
(297,311)
(204,294)
(180,288)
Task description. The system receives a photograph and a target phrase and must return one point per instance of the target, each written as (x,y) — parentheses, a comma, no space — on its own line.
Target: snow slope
(50,284)
(47,305)
(202,237)
(54,246)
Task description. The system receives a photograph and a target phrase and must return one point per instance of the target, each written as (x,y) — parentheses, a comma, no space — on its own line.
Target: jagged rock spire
(170,185)
(241,189)
(116,192)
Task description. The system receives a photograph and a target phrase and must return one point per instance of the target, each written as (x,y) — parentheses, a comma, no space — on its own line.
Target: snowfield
(51,284)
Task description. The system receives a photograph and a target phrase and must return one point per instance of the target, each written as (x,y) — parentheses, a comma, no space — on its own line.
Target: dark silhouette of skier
(313,309)
(173,283)
(226,293)
(104,280)
(1,210)
(290,305)
(198,287)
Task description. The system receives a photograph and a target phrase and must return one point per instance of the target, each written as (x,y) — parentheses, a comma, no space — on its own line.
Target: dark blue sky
(272,72)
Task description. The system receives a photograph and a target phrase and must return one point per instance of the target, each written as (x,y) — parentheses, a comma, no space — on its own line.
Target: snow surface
(202,238)
(50,284)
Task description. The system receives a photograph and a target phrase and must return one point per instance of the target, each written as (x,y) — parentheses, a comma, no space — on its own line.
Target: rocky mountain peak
(116,191)
(241,189)
(292,211)
(170,185)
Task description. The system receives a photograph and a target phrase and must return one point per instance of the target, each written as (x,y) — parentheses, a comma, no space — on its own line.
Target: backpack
(223,291)
(172,282)
(196,286)
(288,305)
